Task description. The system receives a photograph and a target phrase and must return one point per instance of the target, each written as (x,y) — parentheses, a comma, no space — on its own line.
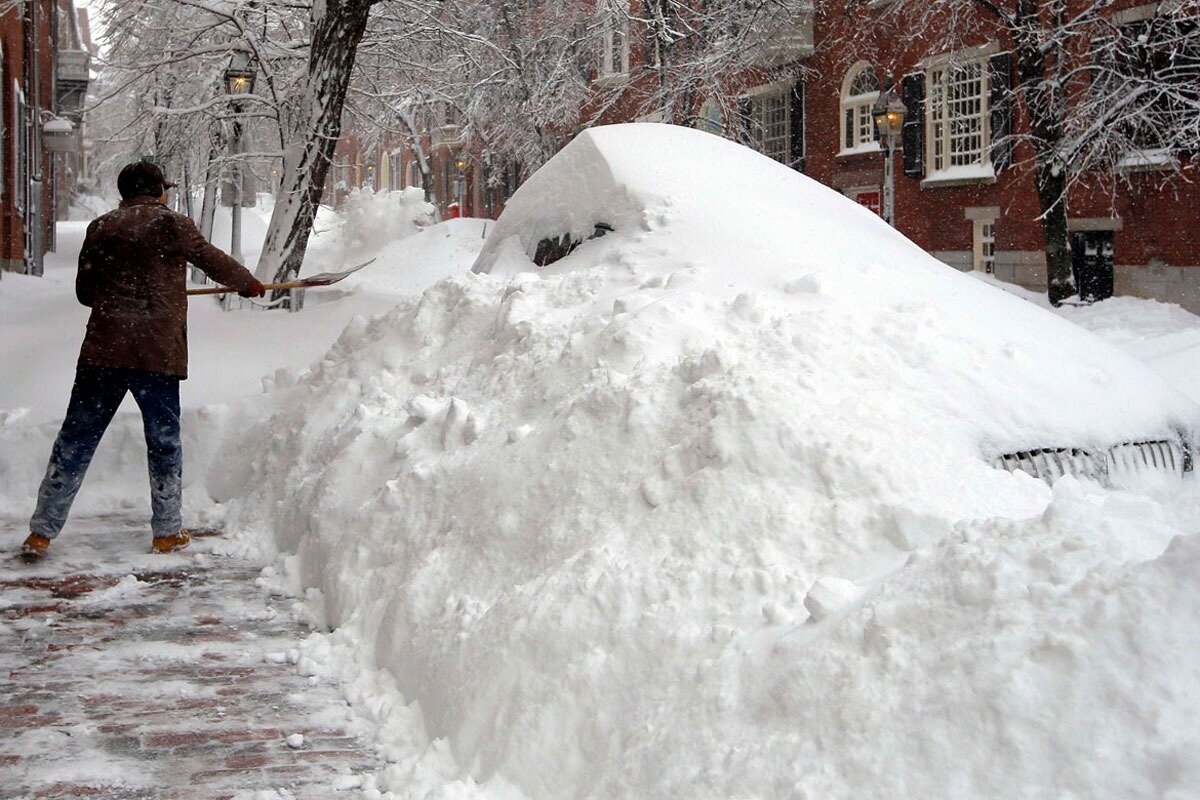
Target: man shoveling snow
(132,275)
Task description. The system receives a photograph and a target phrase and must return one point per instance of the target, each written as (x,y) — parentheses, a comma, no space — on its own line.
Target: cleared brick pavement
(127,675)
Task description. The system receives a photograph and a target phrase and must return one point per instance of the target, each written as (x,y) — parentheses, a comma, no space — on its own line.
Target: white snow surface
(705,510)
(702,510)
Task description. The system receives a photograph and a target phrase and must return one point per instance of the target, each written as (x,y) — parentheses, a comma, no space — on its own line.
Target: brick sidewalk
(128,675)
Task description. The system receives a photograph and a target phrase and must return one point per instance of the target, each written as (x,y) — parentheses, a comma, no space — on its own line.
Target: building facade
(44,63)
(974,205)
(430,151)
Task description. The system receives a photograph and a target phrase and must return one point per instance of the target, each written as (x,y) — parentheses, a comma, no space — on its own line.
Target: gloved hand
(255,289)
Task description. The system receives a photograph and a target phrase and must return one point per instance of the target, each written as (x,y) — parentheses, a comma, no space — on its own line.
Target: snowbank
(704,509)
(413,264)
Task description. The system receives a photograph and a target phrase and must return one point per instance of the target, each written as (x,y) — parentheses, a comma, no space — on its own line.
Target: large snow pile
(705,509)
(411,264)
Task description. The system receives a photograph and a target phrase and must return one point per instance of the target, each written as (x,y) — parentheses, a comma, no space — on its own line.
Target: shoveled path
(129,675)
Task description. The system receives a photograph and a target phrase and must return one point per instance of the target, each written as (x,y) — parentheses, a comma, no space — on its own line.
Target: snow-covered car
(1040,395)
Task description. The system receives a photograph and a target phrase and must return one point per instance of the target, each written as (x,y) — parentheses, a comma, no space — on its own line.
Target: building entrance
(1092,262)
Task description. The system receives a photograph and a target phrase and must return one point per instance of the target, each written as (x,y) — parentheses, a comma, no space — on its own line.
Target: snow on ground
(1162,335)
(705,510)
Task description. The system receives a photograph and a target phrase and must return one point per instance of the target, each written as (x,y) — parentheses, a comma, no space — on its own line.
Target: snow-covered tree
(162,93)
(693,49)
(336,28)
(1098,91)
(165,61)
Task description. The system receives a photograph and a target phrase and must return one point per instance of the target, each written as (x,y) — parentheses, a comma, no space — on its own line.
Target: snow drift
(704,509)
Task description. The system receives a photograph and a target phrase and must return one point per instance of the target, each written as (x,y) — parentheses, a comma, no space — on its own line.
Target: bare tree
(337,27)
(170,57)
(692,50)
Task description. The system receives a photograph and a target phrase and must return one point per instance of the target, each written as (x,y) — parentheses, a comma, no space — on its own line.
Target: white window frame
(957,120)
(614,40)
(859,107)
(855,192)
(780,133)
(983,245)
(20,193)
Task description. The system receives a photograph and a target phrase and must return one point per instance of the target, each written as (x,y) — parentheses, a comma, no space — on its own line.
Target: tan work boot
(169,544)
(35,547)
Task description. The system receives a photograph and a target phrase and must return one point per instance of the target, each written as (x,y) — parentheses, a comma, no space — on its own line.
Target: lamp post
(239,81)
(889,112)
(461,164)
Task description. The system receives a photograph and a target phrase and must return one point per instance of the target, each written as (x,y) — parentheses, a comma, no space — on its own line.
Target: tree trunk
(1047,110)
(208,206)
(1052,195)
(337,29)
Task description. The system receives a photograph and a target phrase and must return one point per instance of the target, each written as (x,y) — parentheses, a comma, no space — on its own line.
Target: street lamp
(889,112)
(239,77)
(461,163)
(239,81)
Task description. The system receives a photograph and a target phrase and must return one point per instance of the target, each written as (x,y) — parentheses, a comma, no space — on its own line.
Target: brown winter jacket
(132,273)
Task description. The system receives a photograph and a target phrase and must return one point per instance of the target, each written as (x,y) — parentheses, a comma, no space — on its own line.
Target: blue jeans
(97,394)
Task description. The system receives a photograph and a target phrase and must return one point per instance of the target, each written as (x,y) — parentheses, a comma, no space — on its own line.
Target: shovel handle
(226,290)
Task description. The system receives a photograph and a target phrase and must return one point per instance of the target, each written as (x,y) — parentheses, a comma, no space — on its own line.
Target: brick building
(807,103)
(44,62)
(975,208)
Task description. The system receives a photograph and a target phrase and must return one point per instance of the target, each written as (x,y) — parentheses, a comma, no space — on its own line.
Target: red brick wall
(12,230)
(1158,223)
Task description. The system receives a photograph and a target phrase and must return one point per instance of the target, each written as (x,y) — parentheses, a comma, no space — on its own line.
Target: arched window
(860,90)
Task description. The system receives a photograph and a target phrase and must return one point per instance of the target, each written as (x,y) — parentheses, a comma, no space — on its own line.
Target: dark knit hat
(142,178)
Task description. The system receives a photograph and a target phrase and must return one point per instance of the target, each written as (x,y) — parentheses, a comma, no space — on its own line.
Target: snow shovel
(323,279)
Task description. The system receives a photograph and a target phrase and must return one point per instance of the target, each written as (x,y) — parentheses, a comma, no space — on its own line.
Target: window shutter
(649,41)
(586,52)
(746,132)
(796,109)
(1000,104)
(912,136)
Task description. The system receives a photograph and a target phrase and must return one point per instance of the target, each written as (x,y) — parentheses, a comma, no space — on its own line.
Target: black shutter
(587,54)
(649,40)
(745,124)
(912,136)
(796,109)
(1000,104)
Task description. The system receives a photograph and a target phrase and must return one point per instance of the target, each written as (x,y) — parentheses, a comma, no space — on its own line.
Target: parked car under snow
(1043,396)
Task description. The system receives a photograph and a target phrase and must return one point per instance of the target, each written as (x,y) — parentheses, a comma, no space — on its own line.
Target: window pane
(771,125)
